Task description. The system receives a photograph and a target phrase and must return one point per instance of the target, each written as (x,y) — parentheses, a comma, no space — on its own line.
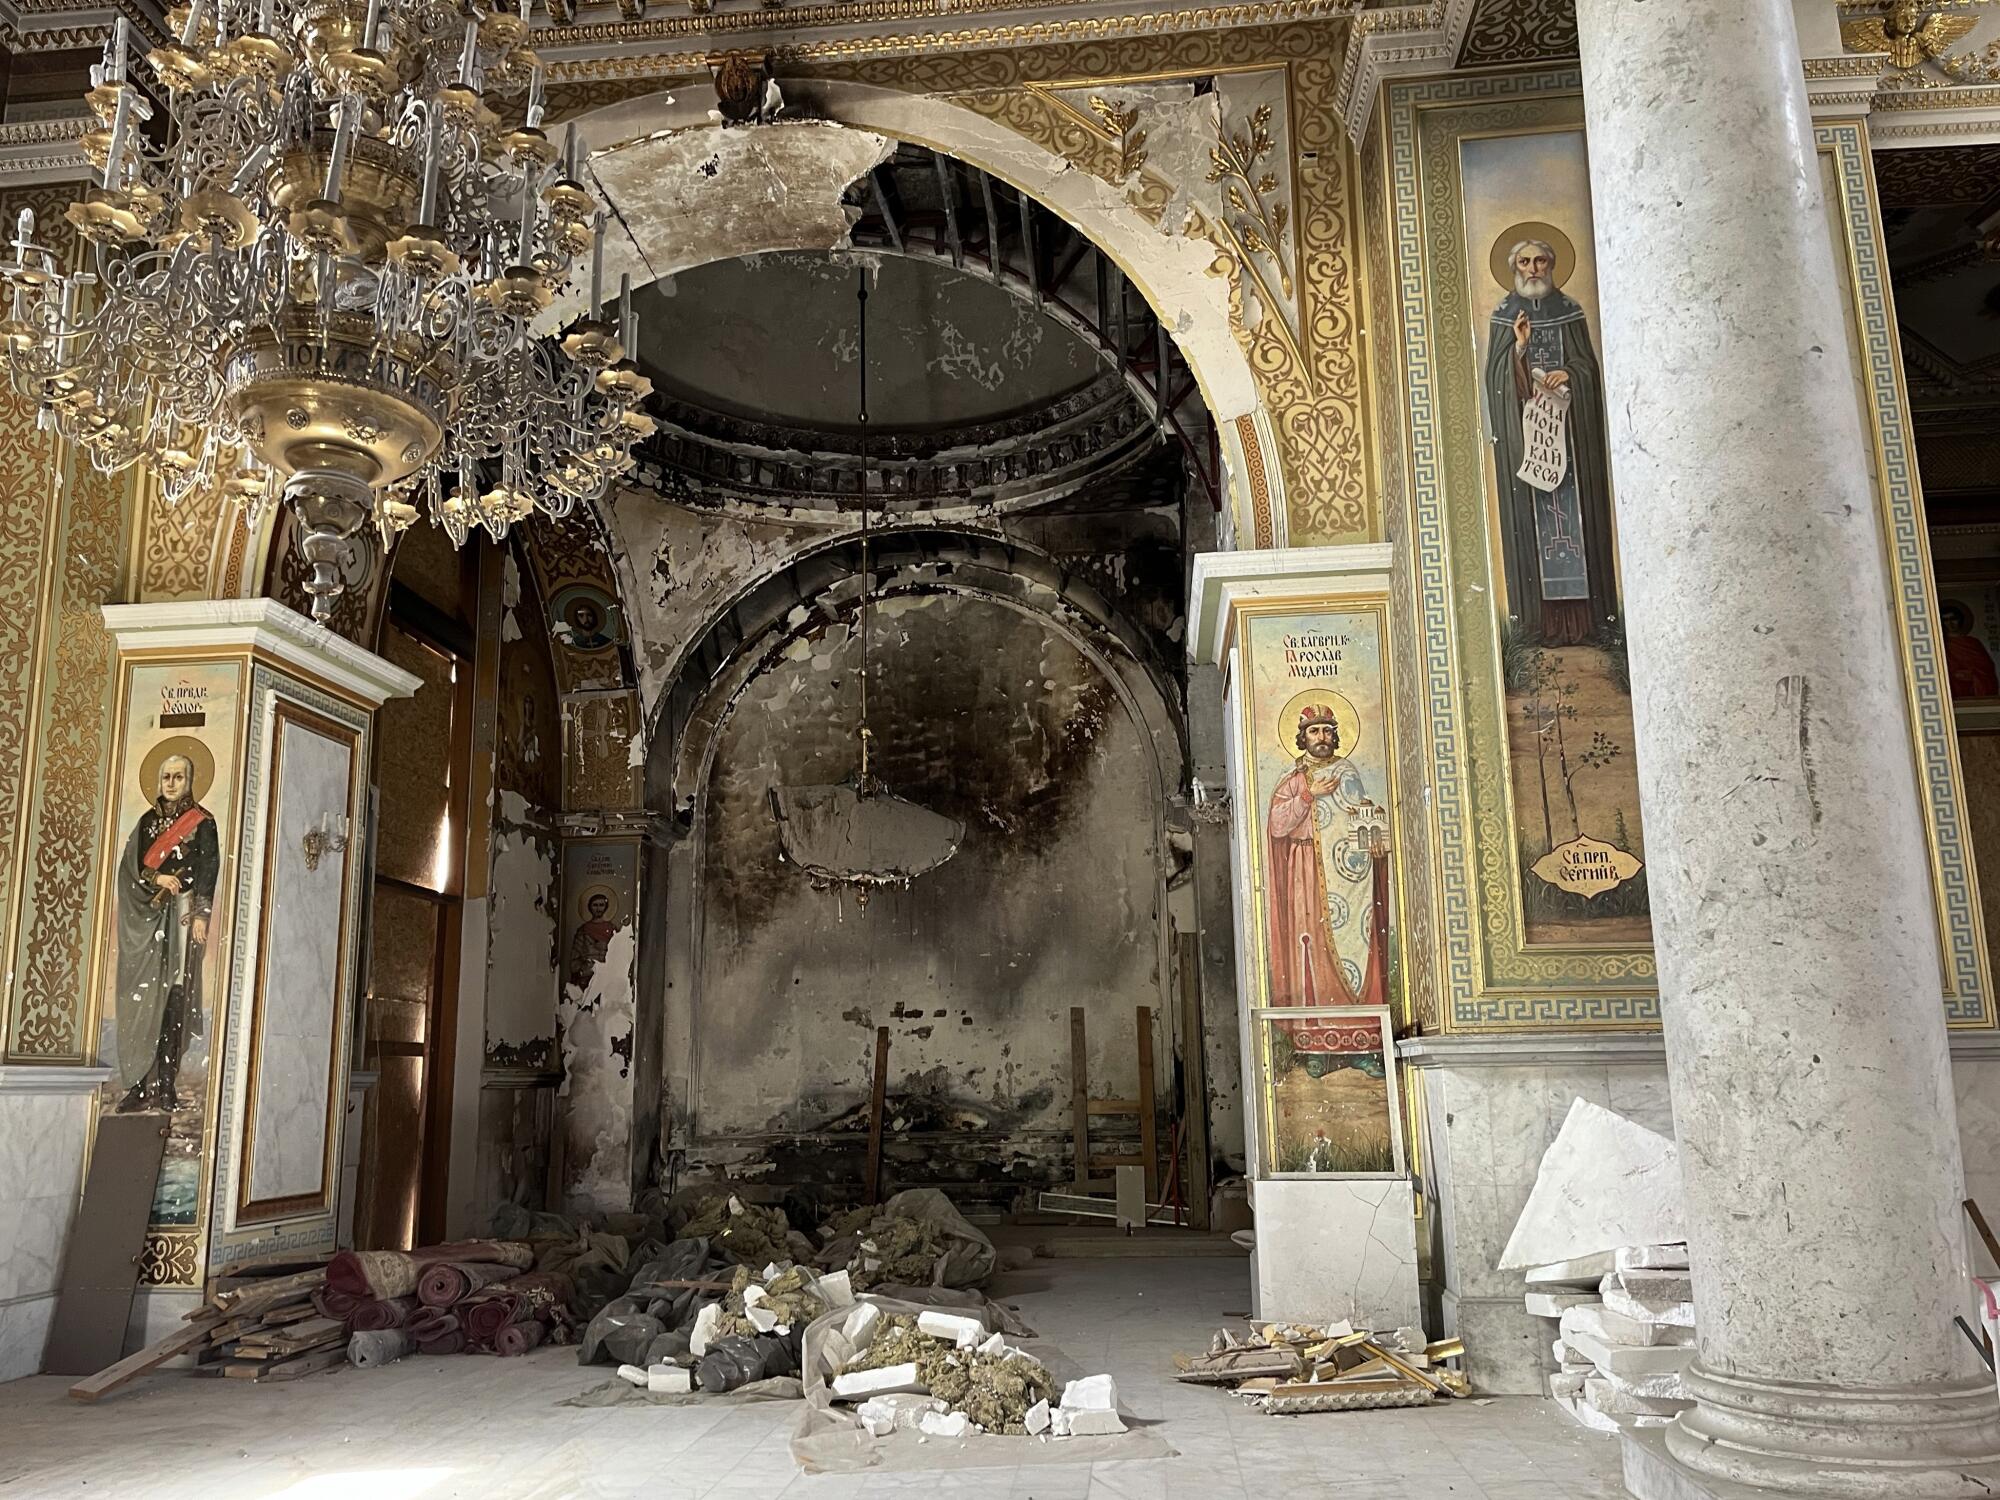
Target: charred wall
(1055,899)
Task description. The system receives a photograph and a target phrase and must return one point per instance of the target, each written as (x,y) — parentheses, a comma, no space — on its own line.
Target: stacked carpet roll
(473,1295)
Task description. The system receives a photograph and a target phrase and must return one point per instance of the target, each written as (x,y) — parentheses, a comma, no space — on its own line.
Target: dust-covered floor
(440,1429)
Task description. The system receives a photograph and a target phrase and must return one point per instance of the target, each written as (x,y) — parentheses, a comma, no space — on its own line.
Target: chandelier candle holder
(316,280)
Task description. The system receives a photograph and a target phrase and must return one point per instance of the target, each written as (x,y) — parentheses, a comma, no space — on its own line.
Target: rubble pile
(1625,1334)
(751,1233)
(751,1332)
(943,1375)
(1289,1368)
(915,1239)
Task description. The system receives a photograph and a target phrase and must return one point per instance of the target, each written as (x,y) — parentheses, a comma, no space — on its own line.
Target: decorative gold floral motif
(1256,218)
(1518,31)
(170,1258)
(1123,124)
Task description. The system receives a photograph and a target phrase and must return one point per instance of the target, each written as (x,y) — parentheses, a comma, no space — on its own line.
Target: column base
(1748,1438)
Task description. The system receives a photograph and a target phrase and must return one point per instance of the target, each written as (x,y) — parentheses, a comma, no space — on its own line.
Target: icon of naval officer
(166,893)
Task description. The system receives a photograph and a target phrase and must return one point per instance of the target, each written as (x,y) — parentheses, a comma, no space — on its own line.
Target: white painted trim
(1223,579)
(34,1078)
(265,625)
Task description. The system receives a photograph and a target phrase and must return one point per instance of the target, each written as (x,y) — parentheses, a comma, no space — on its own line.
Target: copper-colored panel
(413,736)
(428,564)
(403,964)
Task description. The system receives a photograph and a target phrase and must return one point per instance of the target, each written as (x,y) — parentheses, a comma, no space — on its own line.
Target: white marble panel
(298,1009)
(24,1330)
(1339,1248)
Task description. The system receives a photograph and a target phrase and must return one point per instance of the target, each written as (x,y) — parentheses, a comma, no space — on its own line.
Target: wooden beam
(132,1366)
(1149,1125)
(1079,1096)
(947,182)
(1029,248)
(877,1105)
(992,227)
(888,213)
(1194,1080)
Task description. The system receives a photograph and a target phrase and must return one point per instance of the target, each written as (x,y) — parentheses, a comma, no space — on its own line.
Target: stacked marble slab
(1625,1334)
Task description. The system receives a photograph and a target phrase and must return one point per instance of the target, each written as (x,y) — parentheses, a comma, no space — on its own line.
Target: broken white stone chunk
(1059,1423)
(1599,1322)
(673,1379)
(944,1424)
(857,1385)
(1095,1424)
(632,1375)
(1037,1419)
(1092,1393)
(859,1329)
(901,1411)
(1568,1358)
(1567,1383)
(1630,1363)
(996,1345)
(1669,1386)
(761,1318)
(1652,1257)
(752,1295)
(1616,1402)
(1584,1271)
(1587,1415)
(953,1328)
(704,1329)
(1651,1296)
(1554,1304)
(1606,1182)
(770,1272)
(836,1290)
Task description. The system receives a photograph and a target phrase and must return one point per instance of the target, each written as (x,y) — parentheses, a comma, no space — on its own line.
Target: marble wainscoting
(45,1115)
(1336,1248)
(1491,1106)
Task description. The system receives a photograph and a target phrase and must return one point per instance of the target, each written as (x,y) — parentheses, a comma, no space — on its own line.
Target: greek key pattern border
(1470,1004)
(1968,989)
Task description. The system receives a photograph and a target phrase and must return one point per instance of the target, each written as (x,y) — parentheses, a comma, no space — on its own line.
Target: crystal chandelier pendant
(317,280)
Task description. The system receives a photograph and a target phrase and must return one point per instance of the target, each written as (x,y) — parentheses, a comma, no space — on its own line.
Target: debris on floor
(1285,1369)
(916,1238)
(1625,1321)
(1603,1245)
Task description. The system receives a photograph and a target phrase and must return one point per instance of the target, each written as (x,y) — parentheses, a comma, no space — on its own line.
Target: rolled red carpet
(519,1338)
(378,1313)
(446,1282)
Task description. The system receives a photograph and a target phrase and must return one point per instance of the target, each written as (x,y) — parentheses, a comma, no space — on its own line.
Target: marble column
(1798,950)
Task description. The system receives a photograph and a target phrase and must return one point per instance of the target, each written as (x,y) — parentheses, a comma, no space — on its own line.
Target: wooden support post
(1079,1096)
(1194,1079)
(877,1103)
(948,191)
(992,226)
(1149,1125)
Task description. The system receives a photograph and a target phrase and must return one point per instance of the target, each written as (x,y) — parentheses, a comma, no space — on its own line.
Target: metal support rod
(888,214)
(992,227)
(1028,247)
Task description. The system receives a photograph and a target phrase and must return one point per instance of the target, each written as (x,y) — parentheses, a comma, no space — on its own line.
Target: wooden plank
(1194,1083)
(877,1105)
(307,1364)
(101,1260)
(132,1366)
(1079,1095)
(261,1296)
(1149,1124)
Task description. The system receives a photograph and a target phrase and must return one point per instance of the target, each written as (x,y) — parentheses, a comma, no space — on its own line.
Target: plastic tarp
(968,1257)
(830,1438)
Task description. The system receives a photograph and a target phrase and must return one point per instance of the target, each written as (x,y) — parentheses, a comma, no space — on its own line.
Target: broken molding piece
(1095,1424)
(1661,1297)
(1569,1358)
(1652,1257)
(1616,1401)
(1585,1271)
(632,1375)
(953,1328)
(1092,1393)
(1598,1321)
(1605,1182)
(1586,1415)
(1628,1362)
(675,1380)
(859,1329)
(882,1415)
(1567,1383)
(1555,1304)
(837,1290)
(944,1424)
(1671,1386)
(857,1385)
(1037,1419)
(704,1328)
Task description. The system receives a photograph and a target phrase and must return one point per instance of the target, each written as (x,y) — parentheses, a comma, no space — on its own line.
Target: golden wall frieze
(585,52)
(1392,41)
(1518,31)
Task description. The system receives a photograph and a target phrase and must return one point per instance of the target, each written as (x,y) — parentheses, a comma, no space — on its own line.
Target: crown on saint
(1316,713)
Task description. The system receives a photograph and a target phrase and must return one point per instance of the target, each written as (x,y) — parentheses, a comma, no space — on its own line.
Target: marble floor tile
(484,1429)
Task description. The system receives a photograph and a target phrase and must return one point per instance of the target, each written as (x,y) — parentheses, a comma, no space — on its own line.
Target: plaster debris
(1287,1369)
(861,1384)
(952,1327)
(674,1380)
(633,1375)
(953,1424)
(1092,1393)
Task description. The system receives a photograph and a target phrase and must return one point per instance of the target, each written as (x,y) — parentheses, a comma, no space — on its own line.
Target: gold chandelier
(320,278)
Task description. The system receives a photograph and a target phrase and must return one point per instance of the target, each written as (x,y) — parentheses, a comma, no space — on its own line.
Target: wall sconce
(327,836)
(1209,804)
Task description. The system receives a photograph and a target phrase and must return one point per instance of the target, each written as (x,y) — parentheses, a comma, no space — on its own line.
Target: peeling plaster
(596,1022)
(521,938)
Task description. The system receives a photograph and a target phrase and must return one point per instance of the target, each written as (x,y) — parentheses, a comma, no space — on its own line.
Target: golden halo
(202,758)
(614,914)
(1532,229)
(1346,719)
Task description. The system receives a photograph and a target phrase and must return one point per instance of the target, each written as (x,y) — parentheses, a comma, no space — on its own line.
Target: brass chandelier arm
(318,279)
